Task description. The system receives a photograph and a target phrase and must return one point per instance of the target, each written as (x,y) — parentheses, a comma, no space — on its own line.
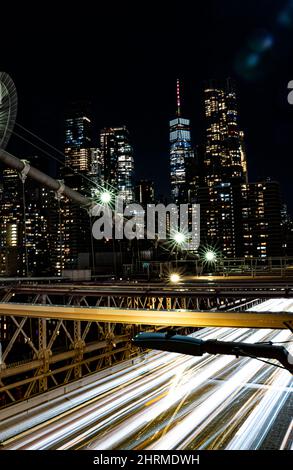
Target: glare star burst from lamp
(105,197)
(174,278)
(210,256)
(179,238)
(176,242)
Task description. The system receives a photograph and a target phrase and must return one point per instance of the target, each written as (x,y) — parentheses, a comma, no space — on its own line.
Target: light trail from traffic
(169,401)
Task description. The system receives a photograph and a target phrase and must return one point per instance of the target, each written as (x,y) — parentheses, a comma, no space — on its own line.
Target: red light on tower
(178,97)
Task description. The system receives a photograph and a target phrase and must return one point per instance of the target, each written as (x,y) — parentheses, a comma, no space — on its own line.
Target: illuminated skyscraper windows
(180,152)
(225,158)
(117,161)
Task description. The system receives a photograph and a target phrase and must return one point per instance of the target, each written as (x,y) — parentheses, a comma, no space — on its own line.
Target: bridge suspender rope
(23,176)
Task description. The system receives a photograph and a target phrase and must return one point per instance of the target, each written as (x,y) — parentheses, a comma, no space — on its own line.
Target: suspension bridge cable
(55,158)
(111,188)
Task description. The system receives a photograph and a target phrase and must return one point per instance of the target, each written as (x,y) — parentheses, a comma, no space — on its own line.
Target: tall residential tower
(73,221)
(117,161)
(225,170)
(225,158)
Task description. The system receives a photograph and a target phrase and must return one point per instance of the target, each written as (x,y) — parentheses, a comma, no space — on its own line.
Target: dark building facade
(145,192)
(287,231)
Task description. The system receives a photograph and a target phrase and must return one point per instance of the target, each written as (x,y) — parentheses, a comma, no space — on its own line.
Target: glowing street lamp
(179,238)
(175,278)
(210,256)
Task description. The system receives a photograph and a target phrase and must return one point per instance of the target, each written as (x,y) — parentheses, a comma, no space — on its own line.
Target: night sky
(126,63)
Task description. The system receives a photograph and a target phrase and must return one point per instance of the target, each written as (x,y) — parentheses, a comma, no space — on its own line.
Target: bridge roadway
(168,401)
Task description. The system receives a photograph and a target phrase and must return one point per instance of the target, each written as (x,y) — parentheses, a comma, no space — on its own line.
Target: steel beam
(39,377)
(152,317)
(137,295)
(58,357)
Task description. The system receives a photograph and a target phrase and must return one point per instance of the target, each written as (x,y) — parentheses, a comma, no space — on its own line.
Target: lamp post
(210,256)
(174,278)
(179,239)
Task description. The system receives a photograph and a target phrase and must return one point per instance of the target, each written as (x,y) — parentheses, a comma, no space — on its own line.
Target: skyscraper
(261,219)
(108,149)
(125,169)
(25,238)
(180,153)
(225,158)
(220,211)
(95,171)
(11,217)
(225,169)
(73,221)
(78,138)
(117,161)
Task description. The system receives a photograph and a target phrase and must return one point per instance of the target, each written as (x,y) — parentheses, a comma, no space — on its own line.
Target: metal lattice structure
(40,353)
(8,108)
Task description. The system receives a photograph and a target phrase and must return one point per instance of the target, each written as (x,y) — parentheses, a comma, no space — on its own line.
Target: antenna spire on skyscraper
(178,97)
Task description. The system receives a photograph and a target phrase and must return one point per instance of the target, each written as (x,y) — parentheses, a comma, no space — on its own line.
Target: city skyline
(134,84)
(21,140)
(239,217)
(146,231)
